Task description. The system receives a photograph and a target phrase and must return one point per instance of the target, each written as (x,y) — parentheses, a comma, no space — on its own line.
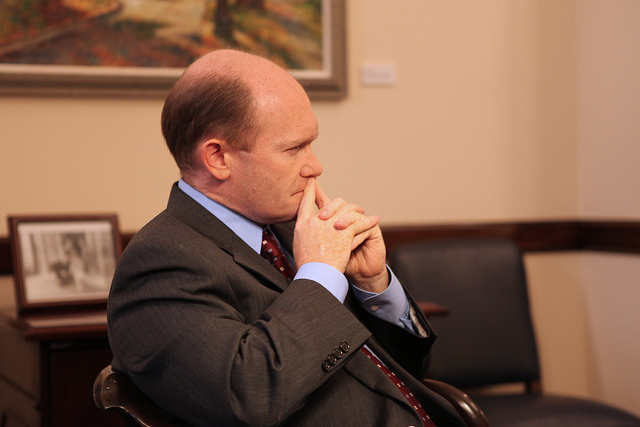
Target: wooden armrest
(113,390)
(432,309)
(462,403)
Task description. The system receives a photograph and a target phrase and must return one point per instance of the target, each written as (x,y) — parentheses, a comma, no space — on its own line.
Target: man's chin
(286,217)
(289,213)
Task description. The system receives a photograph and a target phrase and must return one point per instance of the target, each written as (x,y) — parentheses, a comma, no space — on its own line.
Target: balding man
(200,319)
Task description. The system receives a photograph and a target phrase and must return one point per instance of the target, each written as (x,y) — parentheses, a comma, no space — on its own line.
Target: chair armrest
(433,309)
(462,403)
(114,391)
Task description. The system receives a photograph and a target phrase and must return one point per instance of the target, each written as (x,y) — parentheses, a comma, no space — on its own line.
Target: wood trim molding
(543,236)
(610,236)
(530,236)
(606,236)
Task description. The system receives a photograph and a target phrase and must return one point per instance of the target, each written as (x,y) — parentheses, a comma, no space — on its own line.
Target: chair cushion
(532,410)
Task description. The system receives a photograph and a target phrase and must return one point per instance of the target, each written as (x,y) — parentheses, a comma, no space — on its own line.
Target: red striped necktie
(271,251)
(426,421)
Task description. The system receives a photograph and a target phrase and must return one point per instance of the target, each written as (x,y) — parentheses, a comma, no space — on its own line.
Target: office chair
(488,337)
(114,391)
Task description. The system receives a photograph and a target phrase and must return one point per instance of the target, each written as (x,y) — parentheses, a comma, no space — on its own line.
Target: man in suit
(208,328)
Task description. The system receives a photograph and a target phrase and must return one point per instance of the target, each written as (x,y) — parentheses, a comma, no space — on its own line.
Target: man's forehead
(257,72)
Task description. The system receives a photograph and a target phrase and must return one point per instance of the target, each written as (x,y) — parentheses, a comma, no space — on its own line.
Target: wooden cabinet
(68,371)
(47,369)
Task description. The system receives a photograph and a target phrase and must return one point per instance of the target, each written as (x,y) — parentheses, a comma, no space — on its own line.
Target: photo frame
(61,263)
(28,65)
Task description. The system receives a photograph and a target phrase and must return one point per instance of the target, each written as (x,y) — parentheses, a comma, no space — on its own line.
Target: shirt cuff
(391,304)
(329,277)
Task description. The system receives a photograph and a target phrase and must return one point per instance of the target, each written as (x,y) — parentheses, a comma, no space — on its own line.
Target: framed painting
(63,262)
(140,47)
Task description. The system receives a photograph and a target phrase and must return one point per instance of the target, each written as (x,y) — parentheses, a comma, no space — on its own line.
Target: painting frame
(63,263)
(56,80)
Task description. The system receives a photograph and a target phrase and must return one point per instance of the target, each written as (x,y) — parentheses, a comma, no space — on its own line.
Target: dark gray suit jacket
(215,335)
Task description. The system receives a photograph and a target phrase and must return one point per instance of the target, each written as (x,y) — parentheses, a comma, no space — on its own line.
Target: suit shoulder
(163,228)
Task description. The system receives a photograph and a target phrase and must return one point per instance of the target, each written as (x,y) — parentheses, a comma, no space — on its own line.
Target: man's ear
(213,154)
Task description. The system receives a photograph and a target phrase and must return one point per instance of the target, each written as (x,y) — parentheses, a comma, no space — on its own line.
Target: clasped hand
(339,234)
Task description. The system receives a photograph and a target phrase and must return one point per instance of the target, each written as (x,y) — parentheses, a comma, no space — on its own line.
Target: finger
(338,208)
(307,206)
(365,224)
(361,237)
(330,208)
(321,198)
(350,218)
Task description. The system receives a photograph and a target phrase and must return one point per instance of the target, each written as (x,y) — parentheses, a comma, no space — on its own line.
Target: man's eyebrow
(306,140)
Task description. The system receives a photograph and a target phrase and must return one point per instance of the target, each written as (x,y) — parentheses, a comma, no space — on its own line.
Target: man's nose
(312,167)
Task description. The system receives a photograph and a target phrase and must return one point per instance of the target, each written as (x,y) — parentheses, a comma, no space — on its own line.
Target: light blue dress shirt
(391,305)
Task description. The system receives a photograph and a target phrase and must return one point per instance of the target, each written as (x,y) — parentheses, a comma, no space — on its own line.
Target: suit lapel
(250,260)
(365,371)
(369,374)
(197,217)
(361,368)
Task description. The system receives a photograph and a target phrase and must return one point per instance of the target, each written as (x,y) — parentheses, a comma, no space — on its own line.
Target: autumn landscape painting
(158,33)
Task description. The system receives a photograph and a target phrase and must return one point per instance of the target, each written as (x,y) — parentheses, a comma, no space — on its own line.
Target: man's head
(209,100)
(240,129)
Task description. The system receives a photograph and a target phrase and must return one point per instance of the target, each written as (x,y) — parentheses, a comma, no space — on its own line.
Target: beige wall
(471,131)
(608,81)
(479,126)
(495,116)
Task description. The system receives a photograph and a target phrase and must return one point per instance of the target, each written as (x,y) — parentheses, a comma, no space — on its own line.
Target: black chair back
(488,337)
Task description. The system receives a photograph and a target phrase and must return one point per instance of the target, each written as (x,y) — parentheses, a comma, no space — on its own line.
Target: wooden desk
(48,365)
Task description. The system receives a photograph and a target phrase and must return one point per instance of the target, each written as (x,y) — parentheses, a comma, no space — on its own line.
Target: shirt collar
(247,230)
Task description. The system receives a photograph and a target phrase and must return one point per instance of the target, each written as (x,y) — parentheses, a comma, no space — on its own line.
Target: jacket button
(337,353)
(332,359)
(345,347)
(326,365)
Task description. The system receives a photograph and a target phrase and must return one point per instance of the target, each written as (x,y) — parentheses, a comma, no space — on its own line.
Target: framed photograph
(140,47)
(63,262)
